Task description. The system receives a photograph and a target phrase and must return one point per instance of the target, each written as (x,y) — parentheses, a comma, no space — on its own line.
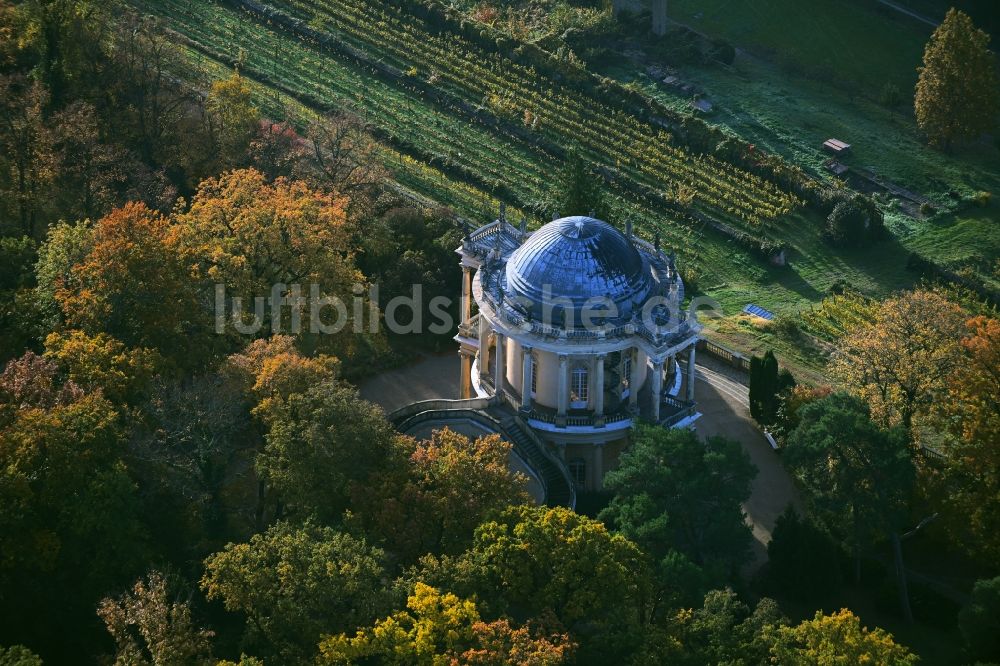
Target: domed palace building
(568,336)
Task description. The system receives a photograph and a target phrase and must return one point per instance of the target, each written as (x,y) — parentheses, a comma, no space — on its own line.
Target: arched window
(580,388)
(578,471)
(534,374)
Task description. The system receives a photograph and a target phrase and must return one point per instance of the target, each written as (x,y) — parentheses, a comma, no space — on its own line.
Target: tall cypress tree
(578,190)
(764,388)
(958,95)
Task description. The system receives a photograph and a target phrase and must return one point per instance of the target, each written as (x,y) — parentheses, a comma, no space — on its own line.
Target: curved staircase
(499,418)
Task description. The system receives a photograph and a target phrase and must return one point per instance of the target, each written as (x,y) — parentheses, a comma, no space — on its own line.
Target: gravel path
(722,400)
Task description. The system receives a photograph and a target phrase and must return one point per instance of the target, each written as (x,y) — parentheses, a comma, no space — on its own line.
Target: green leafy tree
(323,448)
(65,246)
(723,630)
(958,94)
(674,491)
(295,584)
(531,561)
(68,511)
(17,322)
(979,621)
(802,559)
(838,638)
(851,222)
(151,626)
(65,38)
(18,655)
(857,477)
(410,246)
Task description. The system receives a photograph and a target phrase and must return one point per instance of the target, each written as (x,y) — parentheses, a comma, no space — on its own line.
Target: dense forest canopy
(180,486)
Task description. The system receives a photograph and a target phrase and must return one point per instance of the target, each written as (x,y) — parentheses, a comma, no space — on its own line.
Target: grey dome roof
(578,258)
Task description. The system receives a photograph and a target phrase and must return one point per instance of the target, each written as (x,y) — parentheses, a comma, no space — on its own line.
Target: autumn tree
(249,235)
(234,116)
(296,584)
(102,363)
(970,413)
(899,362)
(441,628)
(837,638)
(450,486)
(958,93)
(151,626)
(33,381)
(133,286)
(267,374)
(271,370)
(675,492)
(857,477)
(277,150)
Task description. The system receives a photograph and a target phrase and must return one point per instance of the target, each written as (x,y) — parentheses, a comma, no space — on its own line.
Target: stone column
(657,392)
(563,398)
(597,480)
(501,364)
(599,388)
(633,381)
(466,382)
(690,377)
(466,294)
(484,346)
(526,369)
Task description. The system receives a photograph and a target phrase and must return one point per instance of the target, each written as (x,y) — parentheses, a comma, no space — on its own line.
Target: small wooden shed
(836,146)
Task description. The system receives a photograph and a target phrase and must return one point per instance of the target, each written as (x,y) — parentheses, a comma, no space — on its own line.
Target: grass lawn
(967,241)
(854,43)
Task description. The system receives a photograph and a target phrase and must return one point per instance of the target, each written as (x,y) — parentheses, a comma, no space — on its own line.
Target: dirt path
(725,407)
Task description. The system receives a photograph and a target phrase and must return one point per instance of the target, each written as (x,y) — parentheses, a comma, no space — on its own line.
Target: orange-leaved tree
(132,285)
